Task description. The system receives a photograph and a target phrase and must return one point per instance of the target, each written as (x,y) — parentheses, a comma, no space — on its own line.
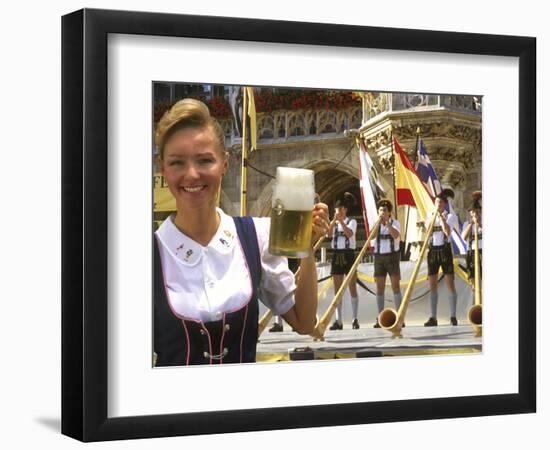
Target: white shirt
(438,237)
(341,240)
(385,243)
(479,233)
(203,283)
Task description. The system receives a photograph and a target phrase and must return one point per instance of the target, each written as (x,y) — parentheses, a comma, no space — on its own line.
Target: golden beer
(291,213)
(290,233)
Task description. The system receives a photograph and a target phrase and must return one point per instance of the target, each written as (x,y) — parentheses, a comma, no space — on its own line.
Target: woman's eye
(205,161)
(175,162)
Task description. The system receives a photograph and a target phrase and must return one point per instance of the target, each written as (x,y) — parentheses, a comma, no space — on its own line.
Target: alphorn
(264,320)
(319,331)
(474,313)
(392,320)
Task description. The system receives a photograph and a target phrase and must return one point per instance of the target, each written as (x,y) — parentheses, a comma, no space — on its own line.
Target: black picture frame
(84,224)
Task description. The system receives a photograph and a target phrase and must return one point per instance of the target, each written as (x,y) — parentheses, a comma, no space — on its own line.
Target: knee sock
(380,302)
(278,320)
(354,306)
(452,303)
(339,315)
(397,300)
(433,305)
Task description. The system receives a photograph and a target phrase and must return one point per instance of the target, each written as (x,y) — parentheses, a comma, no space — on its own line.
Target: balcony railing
(376,103)
(283,125)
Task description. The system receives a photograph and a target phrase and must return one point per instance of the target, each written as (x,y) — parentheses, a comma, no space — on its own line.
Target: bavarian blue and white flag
(427,175)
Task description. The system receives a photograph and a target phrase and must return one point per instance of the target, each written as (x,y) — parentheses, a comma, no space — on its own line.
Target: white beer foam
(295,188)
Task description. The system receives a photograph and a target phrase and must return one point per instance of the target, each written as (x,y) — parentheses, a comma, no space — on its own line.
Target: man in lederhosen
(440,254)
(386,256)
(468,235)
(343,245)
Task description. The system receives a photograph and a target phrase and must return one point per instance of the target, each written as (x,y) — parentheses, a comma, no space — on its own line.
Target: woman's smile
(194,188)
(193,167)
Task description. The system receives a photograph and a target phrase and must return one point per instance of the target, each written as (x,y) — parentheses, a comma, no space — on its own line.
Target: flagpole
(393,174)
(244,168)
(414,165)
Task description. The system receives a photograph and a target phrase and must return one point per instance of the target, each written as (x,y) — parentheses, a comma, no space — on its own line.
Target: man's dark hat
(445,194)
(385,203)
(347,200)
(476,201)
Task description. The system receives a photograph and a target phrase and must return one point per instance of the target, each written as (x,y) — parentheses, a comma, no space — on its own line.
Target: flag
(252,118)
(426,172)
(370,187)
(236,103)
(427,175)
(410,190)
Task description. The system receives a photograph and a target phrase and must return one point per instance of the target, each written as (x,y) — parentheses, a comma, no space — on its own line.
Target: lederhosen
(180,342)
(342,258)
(386,263)
(470,255)
(440,256)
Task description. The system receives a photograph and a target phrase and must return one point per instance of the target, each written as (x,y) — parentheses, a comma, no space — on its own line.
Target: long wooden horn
(320,328)
(474,313)
(264,320)
(392,320)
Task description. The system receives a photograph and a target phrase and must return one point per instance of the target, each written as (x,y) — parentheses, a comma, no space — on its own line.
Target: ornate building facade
(450,127)
(314,138)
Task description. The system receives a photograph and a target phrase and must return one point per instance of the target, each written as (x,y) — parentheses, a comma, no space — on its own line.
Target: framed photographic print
(174,124)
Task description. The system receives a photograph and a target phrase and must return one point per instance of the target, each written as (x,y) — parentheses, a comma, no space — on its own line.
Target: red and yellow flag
(410,190)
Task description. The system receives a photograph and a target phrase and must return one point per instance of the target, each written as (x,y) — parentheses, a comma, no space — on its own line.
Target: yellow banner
(252,115)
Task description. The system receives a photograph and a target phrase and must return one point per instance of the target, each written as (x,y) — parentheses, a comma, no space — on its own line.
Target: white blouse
(203,283)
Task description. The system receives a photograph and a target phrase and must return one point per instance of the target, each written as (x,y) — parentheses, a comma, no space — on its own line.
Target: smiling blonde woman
(210,268)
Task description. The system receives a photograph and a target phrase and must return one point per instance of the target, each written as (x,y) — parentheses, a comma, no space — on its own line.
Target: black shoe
(454,322)
(403,326)
(431,322)
(276,328)
(336,326)
(355,324)
(376,325)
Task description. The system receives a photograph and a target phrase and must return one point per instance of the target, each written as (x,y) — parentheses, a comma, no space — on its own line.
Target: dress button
(206,355)
(203,332)
(227,327)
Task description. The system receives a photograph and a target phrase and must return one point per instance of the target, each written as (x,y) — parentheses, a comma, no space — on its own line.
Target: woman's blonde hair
(186,113)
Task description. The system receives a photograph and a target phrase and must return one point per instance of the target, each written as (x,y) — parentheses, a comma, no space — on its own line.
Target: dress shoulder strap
(246,231)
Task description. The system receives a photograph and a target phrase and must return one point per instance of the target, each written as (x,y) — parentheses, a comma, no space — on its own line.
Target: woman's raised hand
(320,223)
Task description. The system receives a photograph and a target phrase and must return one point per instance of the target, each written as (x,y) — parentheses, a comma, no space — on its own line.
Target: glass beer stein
(291,212)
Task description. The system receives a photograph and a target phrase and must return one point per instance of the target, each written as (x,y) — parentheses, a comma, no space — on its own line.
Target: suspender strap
(438,228)
(479,236)
(336,234)
(385,236)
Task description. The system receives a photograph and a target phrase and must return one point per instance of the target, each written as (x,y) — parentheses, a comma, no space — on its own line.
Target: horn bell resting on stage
(319,331)
(392,320)
(475,311)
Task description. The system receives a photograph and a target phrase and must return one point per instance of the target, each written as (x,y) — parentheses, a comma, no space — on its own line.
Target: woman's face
(193,166)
